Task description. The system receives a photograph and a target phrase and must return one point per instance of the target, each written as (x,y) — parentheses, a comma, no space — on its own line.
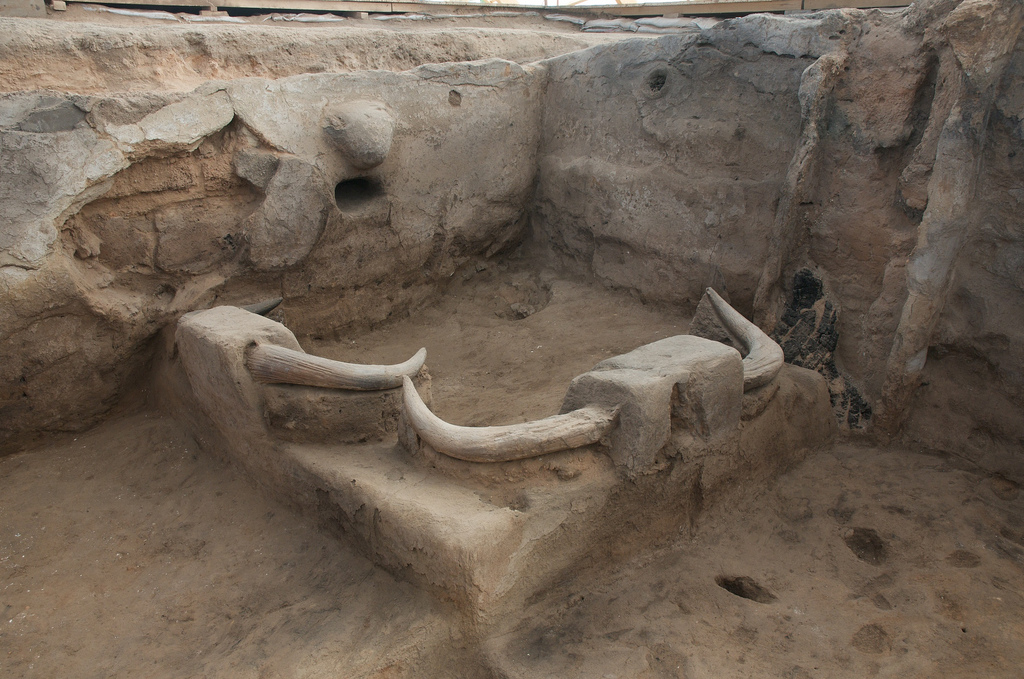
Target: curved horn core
(511,442)
(265,307)
(272,364)
(764,357)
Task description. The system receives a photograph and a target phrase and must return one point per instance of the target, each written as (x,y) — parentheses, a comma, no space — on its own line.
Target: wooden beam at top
(690,8)
(853,4)
(305,5)
(154,4)
(681,8)
(413,7)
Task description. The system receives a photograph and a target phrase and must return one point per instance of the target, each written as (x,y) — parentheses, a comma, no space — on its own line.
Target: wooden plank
(283,5)
(149,4)
(691,8)
(461,8)
(297,6)
(681,8)
(854,4)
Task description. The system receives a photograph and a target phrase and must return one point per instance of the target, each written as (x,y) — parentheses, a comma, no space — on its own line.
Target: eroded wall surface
(662,160)
(93,58)
(873,153)
(124,212)
(872,157)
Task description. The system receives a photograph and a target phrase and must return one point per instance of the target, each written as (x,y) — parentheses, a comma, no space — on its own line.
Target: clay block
(797,419)
(125,241)
(705,379)
(256,166)
(211,345)
(312,414)
(195,236)
(287,225)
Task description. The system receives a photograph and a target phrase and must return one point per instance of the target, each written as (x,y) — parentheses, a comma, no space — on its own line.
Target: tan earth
(529,200)
(128,552)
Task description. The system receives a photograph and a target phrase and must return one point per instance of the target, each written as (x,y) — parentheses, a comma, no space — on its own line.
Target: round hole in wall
(656,81)
(354,193)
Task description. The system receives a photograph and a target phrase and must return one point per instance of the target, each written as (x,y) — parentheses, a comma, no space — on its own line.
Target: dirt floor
(505,341)
(126,551)
(860,562)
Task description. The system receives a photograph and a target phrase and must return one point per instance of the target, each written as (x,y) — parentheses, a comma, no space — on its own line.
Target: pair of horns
(274,364)
(762,361)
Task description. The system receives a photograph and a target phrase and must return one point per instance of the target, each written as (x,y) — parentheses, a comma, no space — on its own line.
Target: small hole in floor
(354,193)
(454,98)
(745,587)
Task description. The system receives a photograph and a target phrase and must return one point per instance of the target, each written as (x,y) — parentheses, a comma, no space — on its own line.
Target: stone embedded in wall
(808,333)
(178,126)
(283,230)
(45,176)
(60,117)
(256,166)
(362,131)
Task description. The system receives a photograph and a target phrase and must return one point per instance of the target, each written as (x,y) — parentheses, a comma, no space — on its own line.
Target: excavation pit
(544,220)
(488,529)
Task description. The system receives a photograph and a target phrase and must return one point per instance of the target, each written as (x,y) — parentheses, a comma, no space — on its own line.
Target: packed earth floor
(127,551)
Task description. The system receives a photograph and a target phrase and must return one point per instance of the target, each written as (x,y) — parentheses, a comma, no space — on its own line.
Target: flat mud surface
(860,562)
(504,343)
(126,551)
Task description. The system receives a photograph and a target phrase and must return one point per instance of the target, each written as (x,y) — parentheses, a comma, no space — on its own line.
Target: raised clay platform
(488,535)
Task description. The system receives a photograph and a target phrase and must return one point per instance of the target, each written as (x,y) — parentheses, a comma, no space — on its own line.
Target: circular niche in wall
(655,83)
(353,194)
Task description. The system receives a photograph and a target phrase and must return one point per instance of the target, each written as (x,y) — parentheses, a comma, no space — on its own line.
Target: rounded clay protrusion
(362,131)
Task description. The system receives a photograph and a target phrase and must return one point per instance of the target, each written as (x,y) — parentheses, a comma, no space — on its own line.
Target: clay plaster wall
(877,150)
(847,144)
(124,212)
(973,390)
(662,160)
